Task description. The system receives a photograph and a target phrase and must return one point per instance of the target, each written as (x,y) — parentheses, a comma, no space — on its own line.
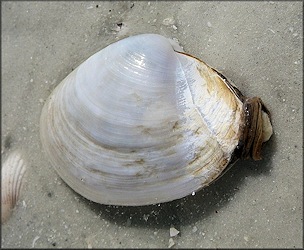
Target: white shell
(12,174)
(139,123)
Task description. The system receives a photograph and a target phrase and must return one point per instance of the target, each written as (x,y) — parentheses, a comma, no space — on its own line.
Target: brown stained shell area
(253,128)
(251,138)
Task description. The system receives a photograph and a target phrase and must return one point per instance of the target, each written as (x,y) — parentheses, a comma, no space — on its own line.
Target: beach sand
(258,45)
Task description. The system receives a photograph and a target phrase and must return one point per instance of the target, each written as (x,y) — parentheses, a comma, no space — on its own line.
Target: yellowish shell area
(219,109)
(139,123)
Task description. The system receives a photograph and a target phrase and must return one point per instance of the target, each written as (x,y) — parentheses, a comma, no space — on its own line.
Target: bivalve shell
(141,123)
(12,177)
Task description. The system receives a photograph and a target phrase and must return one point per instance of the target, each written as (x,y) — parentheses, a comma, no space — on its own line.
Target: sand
(258,45)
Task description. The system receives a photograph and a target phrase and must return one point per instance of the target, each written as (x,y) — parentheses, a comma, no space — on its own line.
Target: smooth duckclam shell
(139,123)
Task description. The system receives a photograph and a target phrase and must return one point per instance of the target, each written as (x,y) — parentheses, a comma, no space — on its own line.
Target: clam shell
(12,176)
(139,123)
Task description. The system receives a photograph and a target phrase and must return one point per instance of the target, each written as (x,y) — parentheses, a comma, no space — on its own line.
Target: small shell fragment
(171,243)
(173,232)
(34,241)
(12,175)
